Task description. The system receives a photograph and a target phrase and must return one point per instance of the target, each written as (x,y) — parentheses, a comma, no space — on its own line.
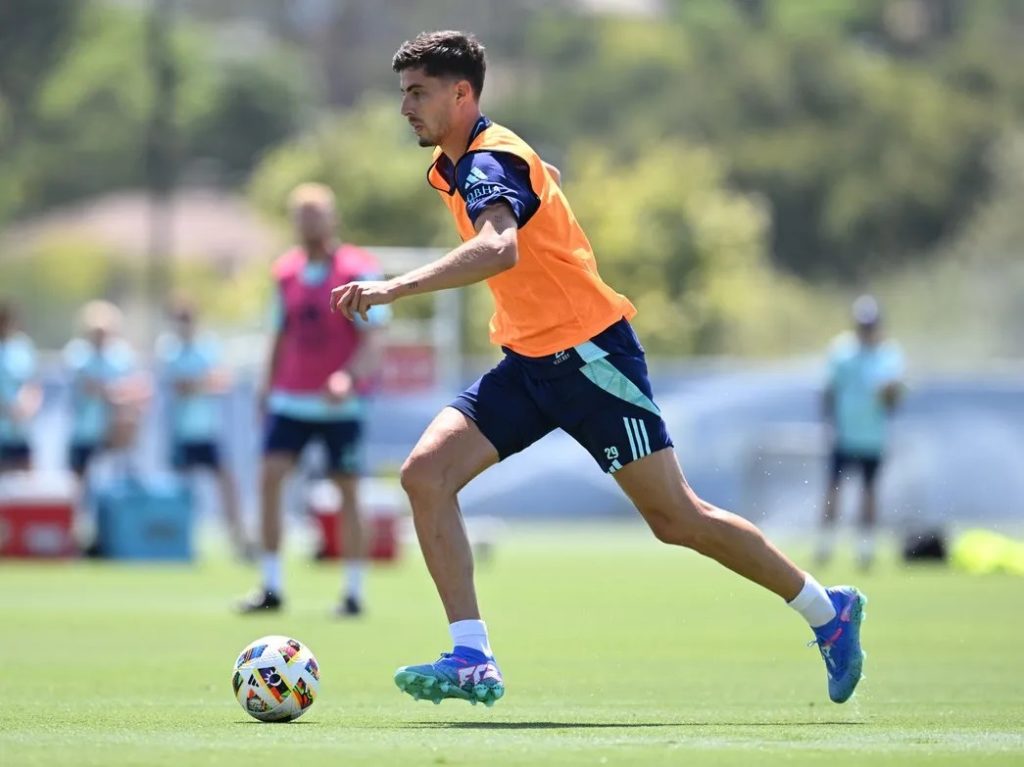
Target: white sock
(813,603)
(354,573)
(471,633)
(272,578)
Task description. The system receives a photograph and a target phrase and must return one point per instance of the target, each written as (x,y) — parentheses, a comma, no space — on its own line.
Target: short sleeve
(76,355)
(122,358)
(833,361)
(485,178)
(893,365)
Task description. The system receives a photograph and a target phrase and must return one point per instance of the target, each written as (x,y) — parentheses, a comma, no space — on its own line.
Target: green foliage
(52,281)
(865,158)
(237,299)
(250,105)
(89,109)
(687,250)
(370,160)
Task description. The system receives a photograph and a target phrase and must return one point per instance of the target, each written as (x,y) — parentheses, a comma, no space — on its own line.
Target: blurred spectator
(865,372)
(321,367)
(190,366)
(20,396)
(107,389)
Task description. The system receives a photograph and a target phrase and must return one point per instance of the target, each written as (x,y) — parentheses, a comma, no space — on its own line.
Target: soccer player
(571,361)
(863,389)
(322,366)
(20,397)
(189,362)
(106,385)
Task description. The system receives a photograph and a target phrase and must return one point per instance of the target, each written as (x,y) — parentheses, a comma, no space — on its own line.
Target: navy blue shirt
(483,178)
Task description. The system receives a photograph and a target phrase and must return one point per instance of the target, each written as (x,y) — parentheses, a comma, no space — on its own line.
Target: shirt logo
(561,357)
(475,177)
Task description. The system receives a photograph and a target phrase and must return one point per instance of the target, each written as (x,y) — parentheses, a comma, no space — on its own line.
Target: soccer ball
(276,679)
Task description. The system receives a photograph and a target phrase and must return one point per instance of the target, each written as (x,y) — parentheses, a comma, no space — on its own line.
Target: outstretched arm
(491,251)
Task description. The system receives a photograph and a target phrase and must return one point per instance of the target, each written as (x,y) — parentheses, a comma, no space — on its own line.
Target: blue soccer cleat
(839,642)
(463,673)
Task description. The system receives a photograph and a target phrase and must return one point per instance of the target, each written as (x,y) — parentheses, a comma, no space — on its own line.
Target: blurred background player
(20,397)
(189,363)
(865,373)
(107,388)
(321,366)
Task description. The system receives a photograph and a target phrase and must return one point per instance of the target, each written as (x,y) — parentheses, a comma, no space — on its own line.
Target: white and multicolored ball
(276,679)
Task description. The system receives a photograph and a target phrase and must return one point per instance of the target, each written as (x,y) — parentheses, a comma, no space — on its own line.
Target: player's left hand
(354,298)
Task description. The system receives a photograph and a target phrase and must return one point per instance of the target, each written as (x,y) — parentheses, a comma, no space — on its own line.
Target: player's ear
(463,91)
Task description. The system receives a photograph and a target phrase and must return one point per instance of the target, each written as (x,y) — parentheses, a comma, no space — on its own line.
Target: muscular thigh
(451,451)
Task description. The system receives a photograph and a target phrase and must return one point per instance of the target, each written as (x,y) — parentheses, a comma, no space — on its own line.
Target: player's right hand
(339,387)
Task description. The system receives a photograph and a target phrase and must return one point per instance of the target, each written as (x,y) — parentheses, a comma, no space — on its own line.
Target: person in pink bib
(321,369)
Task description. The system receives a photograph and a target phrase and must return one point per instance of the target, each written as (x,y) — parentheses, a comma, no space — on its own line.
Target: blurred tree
(370,159)
(689,252)
(252,105)
(52,281)
(865,160)
(33,36)
(90,110)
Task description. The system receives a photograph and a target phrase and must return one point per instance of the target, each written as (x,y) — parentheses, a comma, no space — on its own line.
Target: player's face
(428,103)
(313,223)
(99,336)
(868,334)
(185,323)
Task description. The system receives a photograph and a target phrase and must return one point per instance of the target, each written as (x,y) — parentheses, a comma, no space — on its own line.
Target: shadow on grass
(611,725)
(256,721)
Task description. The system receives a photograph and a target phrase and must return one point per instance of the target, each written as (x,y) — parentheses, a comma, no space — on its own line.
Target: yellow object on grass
(982,551)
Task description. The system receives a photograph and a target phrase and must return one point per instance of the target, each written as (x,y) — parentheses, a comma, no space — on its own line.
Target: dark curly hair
(444,54)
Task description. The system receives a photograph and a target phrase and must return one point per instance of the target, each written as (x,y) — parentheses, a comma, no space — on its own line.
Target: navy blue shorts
(342,439)
(597,392)
(842,462)
(14,455)
(79,456)
(194,455)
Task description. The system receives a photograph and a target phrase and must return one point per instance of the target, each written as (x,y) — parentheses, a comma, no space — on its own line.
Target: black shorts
(843,463)
(79,456)
(14,455)
(597,392)
(342,439)
(194,455)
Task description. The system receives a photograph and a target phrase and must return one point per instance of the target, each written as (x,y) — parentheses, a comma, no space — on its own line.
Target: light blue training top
(857,374)
(315,407)
(194,417)
(17,367)
(90,417)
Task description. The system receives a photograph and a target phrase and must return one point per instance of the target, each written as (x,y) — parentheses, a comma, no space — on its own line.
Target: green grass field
(615,649)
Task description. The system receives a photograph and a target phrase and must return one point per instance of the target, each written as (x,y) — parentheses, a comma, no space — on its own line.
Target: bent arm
(491,251)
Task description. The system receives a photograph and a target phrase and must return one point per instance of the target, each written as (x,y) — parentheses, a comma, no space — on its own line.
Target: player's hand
(339,387)
(354,298)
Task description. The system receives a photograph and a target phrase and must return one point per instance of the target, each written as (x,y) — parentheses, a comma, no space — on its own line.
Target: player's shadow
(612,725)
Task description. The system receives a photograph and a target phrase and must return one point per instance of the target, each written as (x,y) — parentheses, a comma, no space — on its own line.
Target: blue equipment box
(145,519)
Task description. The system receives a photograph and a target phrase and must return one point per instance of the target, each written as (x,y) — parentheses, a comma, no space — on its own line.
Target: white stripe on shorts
(629,433)
(643,432)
